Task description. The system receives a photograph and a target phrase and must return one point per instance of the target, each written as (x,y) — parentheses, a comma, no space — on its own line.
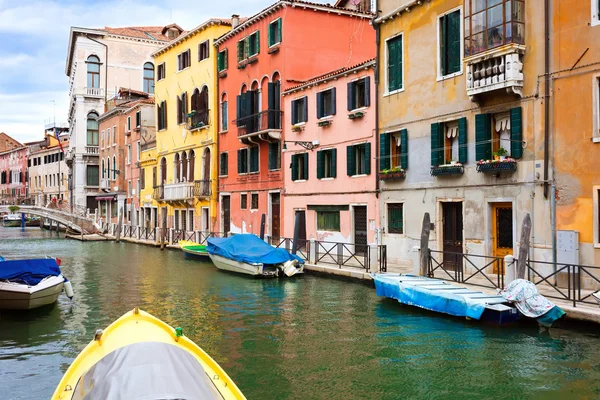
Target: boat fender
(68,288)
(289,267)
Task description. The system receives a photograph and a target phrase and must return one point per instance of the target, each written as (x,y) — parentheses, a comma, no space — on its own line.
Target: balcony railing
(197,119)
(92,150)
(202,188)
(94,92)
(268,121)
(159,192)
(498,69)
(182,191)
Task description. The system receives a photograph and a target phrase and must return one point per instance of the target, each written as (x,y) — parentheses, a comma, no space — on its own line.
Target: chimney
(235,21)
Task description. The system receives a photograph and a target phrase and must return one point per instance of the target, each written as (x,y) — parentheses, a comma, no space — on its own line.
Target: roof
(292,3)
(134,92)
(199,28)
(126,106)
(332,74)
(397,12)
(142,32)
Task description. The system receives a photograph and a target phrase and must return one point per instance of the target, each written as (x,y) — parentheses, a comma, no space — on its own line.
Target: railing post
(510,269)
(416,260)
(372,250)
(312,252)
(340,254)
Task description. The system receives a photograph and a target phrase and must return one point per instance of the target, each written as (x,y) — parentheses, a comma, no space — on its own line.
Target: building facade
(460,127)
(13,174)
(99,62)
(260,58)
(7,143)
(331,151)
(48,171)
(187,128)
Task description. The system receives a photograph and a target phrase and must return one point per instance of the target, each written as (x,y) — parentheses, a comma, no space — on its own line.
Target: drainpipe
(546,94)
(105,69)
(553,218)
(377,59)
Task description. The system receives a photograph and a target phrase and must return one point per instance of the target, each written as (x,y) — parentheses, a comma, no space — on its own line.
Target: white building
(47,170)
(99,61)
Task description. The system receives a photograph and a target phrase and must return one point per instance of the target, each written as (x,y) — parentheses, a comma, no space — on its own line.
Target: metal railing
(198,120)
(202,188)
(466,268)
(259,122)
(159,192)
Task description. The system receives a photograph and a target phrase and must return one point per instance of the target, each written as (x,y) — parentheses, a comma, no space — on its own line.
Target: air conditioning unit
(104,184)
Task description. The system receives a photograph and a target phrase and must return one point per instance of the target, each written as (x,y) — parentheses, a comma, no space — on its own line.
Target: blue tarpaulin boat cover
(29,272)
(249,249)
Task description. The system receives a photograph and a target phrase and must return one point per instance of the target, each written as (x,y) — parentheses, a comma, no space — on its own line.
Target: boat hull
(243,268)
(11,223)
(15,296)
(200,255)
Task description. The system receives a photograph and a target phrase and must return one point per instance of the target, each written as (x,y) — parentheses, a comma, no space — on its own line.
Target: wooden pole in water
(262,227)
(524,247)
(425,244)
(163,229)
(119,225)
(296,233)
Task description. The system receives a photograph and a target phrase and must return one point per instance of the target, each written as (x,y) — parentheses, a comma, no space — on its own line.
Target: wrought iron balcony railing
(262,122)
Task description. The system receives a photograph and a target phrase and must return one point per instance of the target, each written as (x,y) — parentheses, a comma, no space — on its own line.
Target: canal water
(304,338)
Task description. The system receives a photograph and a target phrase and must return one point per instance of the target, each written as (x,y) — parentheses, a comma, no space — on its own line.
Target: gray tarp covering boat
(146,371)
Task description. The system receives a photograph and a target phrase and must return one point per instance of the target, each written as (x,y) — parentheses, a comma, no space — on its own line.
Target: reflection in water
(298,338)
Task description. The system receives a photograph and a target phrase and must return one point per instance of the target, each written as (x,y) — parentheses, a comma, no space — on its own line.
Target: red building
(284,45)
(13,171)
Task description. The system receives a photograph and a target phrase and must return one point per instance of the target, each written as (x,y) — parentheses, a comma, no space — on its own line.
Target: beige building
(47,171)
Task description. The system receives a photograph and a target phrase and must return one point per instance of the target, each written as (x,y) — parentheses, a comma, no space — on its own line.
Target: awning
(105,198)
(343,207)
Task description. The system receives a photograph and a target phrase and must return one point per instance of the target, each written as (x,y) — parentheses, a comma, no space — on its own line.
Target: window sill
(596,139)
(181,70)
(162,130)
(223,176)
(275,170)
(300,181)
(449,76)
(222,74)
(386,94)
(225,131)
(360,109)
(359,176)
(114,144)
(327,179)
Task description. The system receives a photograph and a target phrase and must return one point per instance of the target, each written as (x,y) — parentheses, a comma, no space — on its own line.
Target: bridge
(74,221)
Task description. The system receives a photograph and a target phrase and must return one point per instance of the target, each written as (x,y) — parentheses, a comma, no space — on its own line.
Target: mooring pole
(262,227)
(119,225)
(524,247)
(163,230)
(23,220)
(296,233)
(425,245)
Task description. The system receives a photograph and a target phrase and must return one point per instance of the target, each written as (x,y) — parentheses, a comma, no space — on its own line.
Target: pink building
(330,156)
(13,175)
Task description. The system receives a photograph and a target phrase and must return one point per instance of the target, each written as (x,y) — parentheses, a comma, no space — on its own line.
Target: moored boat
(141,357)
(32,221)
(250,255)
(11,220)
(193,249)
(27,284)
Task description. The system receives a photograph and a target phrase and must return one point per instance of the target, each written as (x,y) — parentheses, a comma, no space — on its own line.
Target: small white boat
(27,284)
(11,220)
(248,254)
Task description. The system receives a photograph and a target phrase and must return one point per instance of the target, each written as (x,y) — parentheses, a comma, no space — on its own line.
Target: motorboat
(11,220)
(33,221)
(32,283)
(250,255)
(193,249)
(141,357)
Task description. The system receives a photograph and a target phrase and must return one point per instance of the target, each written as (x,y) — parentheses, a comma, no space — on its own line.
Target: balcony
(91,150)
(496,69)
(183,191)
(159,192)
(496,167)
(197,120)
(265,126)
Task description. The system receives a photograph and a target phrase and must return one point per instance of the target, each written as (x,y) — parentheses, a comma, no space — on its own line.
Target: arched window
(163,171)
(203,105)
(177,168)
(192,160)
(108,168)
(206,172)
(149,78)
(114,168)
(195,106)
(184,167)
(224,112)
(92,129)
(93,72)
(103,169)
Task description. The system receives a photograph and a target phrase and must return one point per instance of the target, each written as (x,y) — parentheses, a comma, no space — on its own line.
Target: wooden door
(301,221)
(360,229)
(226,206)
(452,231)
(502,231)
(275,216)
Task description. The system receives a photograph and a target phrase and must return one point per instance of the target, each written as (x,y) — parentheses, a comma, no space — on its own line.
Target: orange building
(285,44)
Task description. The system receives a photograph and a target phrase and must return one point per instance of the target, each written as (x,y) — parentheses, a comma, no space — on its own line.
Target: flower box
(392,175)
(356,115)
(447,169)
(496,166)
(324,123)
(297,128)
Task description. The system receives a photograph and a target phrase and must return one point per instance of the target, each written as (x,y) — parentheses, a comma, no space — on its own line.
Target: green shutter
(320,165)
(483,137)
(333,101)
(270,35)
(516,132)
(294,167)
(350,160)
(453,43)
(280,36)
(320,105)
(240,50)
(305,158)
(395,63)
(239,161)
(367,158)
(404,148)
(443,45)
(294,112)
(350,93)
(437,154)
(462,141)
(220,66)
(333,163)
(257,42)
(271,156)
(384,151)
(253,159)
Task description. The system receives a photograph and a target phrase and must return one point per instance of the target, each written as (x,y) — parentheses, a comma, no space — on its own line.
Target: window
(254,44)
(243,201)
(394,150)
(358,159)
(102,139)
(128,154)
(493,23)
(596,132)
(449,142)
(242,50)
(254,204)
(160,72)
(248,160)
(274,155)
(138,150)
(183,60)
(138,119)
(500,130)
(328,221)
(326,163)
(449,53)
(92,175)
(359,93)
(182,108)
(595,12)
(114,168)
(162,115)
(299,110)
(149,78)
(92,129)
(128,125)
(108,137)
(300,167)
(114,132)
(395,64)
(326,103)
(224,114)
(93,72)
(203,51)
(275,32)
(395,218)
(222,60)
(142,180)
(223,164)
(253,163)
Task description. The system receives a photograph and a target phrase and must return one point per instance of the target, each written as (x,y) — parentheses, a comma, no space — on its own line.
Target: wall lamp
(306,145)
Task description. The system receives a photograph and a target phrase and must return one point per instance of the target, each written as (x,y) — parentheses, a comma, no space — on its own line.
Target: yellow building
(184,175)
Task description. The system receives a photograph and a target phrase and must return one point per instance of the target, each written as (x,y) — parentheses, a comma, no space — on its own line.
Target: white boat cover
(527,299)
(146,371)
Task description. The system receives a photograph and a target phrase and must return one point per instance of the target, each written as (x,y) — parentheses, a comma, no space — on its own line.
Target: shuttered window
(182,108)
(449,43)
(395,218)
(483,137)
(254,201)
(203,50)
(162,115)
(326,163)
(254,44)
(275,32)
(516,132)
(242,161)
(300,167)
(358,159)
(93,175)
(253,161)
(359,93)
(328,221)
(274,155)
(183,60)
(299,110)
(223,164)
(326,103)
(395,59)
(242,50)
(222,60)
(244,201)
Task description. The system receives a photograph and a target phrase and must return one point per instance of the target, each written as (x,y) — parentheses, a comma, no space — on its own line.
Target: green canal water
(305,338)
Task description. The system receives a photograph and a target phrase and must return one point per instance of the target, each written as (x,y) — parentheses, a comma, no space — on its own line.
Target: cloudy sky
(34,43)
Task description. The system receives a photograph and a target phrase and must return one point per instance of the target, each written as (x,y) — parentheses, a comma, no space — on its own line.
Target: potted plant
(392,173)
(500,154)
